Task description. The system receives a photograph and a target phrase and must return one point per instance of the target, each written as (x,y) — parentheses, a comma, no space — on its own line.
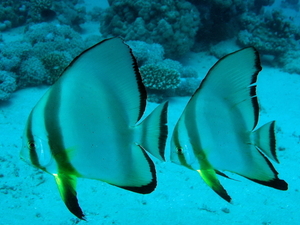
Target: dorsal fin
(97,64)
(233,78)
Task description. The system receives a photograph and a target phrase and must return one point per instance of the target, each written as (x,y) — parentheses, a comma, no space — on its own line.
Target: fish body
(217,130)
(88,125)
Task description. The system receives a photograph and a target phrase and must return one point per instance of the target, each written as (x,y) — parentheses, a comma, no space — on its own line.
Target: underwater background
(175,43)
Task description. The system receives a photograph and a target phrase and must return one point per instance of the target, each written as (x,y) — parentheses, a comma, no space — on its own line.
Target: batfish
(218,131)
(87,125)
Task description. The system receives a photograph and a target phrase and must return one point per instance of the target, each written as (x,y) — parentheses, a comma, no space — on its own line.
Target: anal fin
(139,175)
(210,178)
(274,181)
(67,188)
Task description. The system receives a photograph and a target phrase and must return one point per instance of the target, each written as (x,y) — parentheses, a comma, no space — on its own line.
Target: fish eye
(180,151)
(31,145)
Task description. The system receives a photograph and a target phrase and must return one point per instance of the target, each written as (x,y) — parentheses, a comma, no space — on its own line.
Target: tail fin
(155,132)
(265,140)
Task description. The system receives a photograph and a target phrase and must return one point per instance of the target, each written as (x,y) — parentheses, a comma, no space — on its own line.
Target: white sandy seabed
(29,196)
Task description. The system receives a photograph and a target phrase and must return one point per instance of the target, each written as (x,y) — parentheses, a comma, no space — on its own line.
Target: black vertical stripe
(273,140)
(66,172)
(163,131)
(140,84)
(53,128)
(255,111)
(258,68)
(195,136)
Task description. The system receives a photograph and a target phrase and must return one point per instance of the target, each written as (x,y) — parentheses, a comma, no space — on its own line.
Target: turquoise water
(193,35)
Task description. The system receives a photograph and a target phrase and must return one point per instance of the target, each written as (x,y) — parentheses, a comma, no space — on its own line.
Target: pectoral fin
(211,179)
(67,188)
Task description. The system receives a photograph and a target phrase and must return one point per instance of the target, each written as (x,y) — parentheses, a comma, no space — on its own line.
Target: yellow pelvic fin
(210,178)
(67,188)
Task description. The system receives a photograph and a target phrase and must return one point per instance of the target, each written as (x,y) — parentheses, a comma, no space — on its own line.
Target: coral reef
(31,72)
(146,53)
(55,63)
(223,48)
(12,55)
(172,24)
(41,10)
(47,37)
(159,78)
(13,13)
(95,13)
(7,84)
(289,62)
(271,33)
(48,47)
(187,87)
(92,40)
(168,78)
(55,46)
(160,81)
(18,13)
(41,56)
(219,19)
(154,30)
(71,13)
(250,23)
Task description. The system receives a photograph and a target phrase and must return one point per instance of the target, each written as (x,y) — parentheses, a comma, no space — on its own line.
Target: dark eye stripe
(179,148)
(31,146)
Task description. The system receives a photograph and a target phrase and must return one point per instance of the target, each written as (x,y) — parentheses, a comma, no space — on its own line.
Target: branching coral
(173,24)
(159,78)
